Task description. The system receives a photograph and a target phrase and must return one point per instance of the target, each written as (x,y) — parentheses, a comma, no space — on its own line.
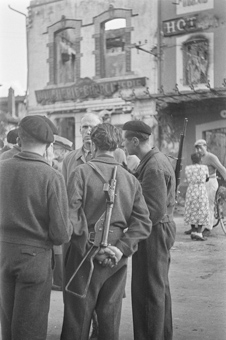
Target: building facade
(83,57)
(193,51)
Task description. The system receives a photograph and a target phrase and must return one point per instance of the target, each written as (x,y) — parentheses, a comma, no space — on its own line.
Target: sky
(13,59)
(13,51)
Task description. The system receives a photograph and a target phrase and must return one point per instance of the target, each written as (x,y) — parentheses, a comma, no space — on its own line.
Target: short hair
(91,115)
(143,137)
(105,136)
(196,158)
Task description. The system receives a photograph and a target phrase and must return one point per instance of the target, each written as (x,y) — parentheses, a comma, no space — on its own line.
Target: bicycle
(220,208)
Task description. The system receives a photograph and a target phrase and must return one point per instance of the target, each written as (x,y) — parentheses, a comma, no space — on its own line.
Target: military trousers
(25,287)
(104,295)
(151,299)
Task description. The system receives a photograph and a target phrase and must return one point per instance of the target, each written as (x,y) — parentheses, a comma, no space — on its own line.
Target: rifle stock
(178,167)
(101,228)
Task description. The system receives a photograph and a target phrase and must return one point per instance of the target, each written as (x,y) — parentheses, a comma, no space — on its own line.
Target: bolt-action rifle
(178,167)
(101,229)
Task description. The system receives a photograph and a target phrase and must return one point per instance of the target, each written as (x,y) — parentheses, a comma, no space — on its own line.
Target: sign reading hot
(185,25)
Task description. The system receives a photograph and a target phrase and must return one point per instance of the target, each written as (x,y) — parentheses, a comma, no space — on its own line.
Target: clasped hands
(109,256)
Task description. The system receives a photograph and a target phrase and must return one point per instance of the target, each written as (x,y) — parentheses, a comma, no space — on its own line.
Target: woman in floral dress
(196,203)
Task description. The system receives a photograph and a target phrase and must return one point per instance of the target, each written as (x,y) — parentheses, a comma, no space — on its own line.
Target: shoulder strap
(100,174)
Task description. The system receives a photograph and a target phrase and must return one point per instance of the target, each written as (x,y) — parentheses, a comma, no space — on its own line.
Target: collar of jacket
(79,153)
(103,158)
(31,156)
(146,158)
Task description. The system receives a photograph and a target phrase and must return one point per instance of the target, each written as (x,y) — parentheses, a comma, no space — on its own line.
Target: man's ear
(136,141)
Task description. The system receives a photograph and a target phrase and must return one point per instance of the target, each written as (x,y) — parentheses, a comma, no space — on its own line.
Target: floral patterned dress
(196,203)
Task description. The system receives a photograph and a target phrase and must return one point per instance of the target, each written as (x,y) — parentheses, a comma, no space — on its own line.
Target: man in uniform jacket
(151,300)
(129,224)
(34,217)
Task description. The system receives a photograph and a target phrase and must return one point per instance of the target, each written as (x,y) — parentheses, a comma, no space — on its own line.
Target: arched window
(64,51)
(112,37)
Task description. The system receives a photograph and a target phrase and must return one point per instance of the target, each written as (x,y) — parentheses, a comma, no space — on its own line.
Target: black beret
(137,126)
(37,128)
(12,136)
(50,123)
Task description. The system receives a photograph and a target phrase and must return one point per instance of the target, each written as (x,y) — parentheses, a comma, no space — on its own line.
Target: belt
(115,234)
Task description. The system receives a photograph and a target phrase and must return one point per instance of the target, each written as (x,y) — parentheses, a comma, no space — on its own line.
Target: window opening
(196,61)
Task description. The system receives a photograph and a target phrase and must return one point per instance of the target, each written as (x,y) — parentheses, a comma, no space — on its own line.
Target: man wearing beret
(34,217)
(12,138)
(151,300)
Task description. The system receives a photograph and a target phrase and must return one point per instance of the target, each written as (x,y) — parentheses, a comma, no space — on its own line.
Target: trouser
(104,295)
(26,279)
(211,187)
(151,299)
(58,270)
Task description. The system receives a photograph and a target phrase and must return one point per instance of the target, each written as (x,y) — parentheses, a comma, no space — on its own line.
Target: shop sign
(185,25)
(188,6)
(86,88)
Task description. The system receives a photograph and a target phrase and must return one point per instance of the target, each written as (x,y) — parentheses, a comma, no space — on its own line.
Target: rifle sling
(98,171)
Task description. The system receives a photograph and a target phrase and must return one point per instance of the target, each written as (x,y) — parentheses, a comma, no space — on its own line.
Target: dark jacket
(157,178)
(34,205)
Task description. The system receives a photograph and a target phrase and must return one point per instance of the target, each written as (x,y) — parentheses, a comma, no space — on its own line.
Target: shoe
(206,232)
(198,237)
(188,232)
(193,235)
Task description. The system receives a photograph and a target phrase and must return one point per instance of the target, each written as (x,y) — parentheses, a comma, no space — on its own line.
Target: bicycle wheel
(222,215)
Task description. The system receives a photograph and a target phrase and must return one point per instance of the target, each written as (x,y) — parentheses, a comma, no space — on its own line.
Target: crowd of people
(59,204)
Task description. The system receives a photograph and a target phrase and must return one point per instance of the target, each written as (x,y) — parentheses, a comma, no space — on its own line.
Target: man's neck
(104,152)
(40,150)
(143,151)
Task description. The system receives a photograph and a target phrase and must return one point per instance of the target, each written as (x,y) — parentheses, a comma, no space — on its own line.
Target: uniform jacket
(157,178)
(34,205)
(87,202)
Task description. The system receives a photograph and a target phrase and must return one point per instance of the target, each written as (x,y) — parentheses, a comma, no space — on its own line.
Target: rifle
(178,167)
(101,228)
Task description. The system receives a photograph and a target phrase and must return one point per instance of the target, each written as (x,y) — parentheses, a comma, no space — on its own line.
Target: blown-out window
(112,39)
(64,51)
(196,61)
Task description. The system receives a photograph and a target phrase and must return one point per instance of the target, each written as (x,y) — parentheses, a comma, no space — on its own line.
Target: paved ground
(198,286)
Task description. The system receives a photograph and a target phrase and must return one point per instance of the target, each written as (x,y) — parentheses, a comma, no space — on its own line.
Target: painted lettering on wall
(86,88)
(187,6)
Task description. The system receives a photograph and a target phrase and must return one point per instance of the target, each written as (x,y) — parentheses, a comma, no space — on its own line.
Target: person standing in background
(14,142)
(196,201)
(213,165)
(61,147)
(83,154)
(151,299)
